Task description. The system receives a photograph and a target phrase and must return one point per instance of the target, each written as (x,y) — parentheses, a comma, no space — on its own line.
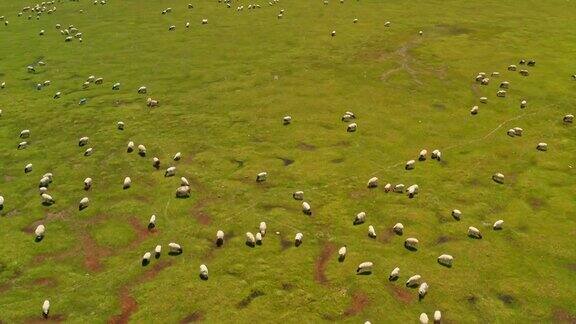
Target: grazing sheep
(1,202)
(219,238)
(457,214)
(498,178)
(187,24)
(388,187)
(152,222)
(47,200)
(28,168)
(83,141)
(286,120)
(399,188)
(473,232)
(523,104)
(142,90)
(25,133)
(183,192)
(542,147)
(298,195)
(531,63)
(505,85)
(422,155)
(120,125)
(141,150)
(568,119)
(410,165)
(157,251)
(360,218)
(130,147)
(83,203)
(423,318)
(512,67)
(333,33)
(518,131)
(258,237)
(45,308)
(39,232)
(204,21)
(373,182)
(446,260)
(352,127)
(177,156)
(203,272)
(44,182)
(423,290)
(474,110)
(82,101)
(485,81)
(394,274)
(364,268)
(371,232)
(437,316)
(127,183)
(261,177)
(524,73)
(411,243)
(436,155)
(306,209)
(171,171)
(152,103)
(342,253)
(88,151)
(398,228)
(501,93)
(498,225)
(184,182)
(146,258)
(250,239)
(263,228)
(172,28)
(511,132)
(99,81)
(495,74)
(57,95)
(175,248)
(298,239)
(355,20)
(483,100)
(413,281)
(116,86)
(156,162)
(413,191)
(387,24)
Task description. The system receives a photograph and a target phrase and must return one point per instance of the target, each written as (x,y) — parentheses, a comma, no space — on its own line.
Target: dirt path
(321,264)
(359,302)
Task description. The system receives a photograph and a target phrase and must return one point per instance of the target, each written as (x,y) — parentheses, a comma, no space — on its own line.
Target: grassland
(224,88)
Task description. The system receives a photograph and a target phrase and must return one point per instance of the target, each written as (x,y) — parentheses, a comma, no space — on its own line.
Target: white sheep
(99,81)
(28,168)
(342,253)
(498,177)
(306,209)
(523,104)
(116,86)
(156,162)
(446,260)
(263,228)
(204,21)
(22,145)
(413,281)
(483,100)
(398,228)
(130,147)
(172,28)
(423,318)
(436,155)
(512,67)
(87,183)
(177,156)
(474,232)
(298,239)
(542,147)
(505,85)
(152,222)
(457,214)
(371,232)
(44,182)
(142,90)
(413,190)
(25,133)
(83,203)
(146,258)
(142,150)
(364,267)
(422,155)
(45,308)
(83,141)
(250,239)
(219,238)
(298,195)
(511,132)
(88,151)
(399,188)
(47,199)
(57,95)
(474,110)
(498,225)
(423,290)
(170,172)
(501,93)
(39,232)
(1,202)
(203,272)
(394,274)
(387,187)
(286,120)
(261,177)
(184,182)
(333,33)
(360,218)
(518,131)
(373,182)
(437,316)
(152,103)
(183,192)
(127,183)
(568,119)
(175,248)
(410,165)
(158,251)
(411,243)
(258,238)
(524,73)
(352,127)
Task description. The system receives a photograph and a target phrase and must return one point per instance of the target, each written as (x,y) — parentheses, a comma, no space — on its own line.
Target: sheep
(25,133)
(399,188)
(90,79)
(387,24)
(342,253)
(261,177)
(522,62)
(351,128)
(152,222)
(423,290)
(373,182)
(398,228)
(388,187)
(413,281)
(142,90)
(394,274)
(57,95)
(157,251)
(187,25)
(298,239)
(501,93)
(146,258)
(524,73)
(1,202)
(504,85)
(306,209)
(568,119)
(413,191)
(184,182)
(474,110)
(204,21)
(45,308)
(422,155)
(151,103)
(46,83)
(511,132)
(141,150)
(127,183)
(88,151)
(30,69)
(99,81)
(483,100)
(531,63)
(512,67)
(28,168)
(83,203)
(44,182)
(83,141)
(457,214)
(410,165)
(371,232)
(258,237)
(420,33)
(175,248)
(171,28)
(473,232)
(116,86)
(286,120)
(156,162)
(39,86)
(219,238)
(423,318)
(364,268)
(333,33)
(177,156)
(411,243)
(203,272)
(495,74)
(346,118)
(39,232)
(446,260)
(47,200)
(68,39)
(542,147)
(120,125)
(298,195)
(263,228)
(355,20)
(498,225)
(250,239)
(130,147)
(360,218)
(183,192)
(436,155)
(485,81)
(498,178)
(437,316)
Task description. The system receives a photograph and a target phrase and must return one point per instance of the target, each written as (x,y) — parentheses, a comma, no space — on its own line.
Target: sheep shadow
(175,253)
(47,203)
(250,244)
(142,154)
(444,264)
(475,237)
(145,262)
(412,285)
(38,239)
(157,255)
(297,243)
(81,208)
(219,242)
(410,248)
(393,278)
(363,273)
(203,277)
(341,258)
(151,226)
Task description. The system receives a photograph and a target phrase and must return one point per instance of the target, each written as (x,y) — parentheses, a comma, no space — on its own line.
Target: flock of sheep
(252,240)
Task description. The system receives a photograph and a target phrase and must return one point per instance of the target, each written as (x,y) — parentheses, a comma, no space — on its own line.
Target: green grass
(224,88)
